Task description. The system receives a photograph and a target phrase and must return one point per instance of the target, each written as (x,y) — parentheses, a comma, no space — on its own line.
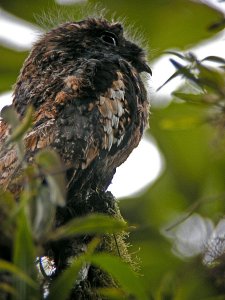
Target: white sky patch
(216,4)
(5,99)
(142,167)
(16,33)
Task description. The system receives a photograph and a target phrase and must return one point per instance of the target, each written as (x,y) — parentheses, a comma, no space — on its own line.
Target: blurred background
(173,186)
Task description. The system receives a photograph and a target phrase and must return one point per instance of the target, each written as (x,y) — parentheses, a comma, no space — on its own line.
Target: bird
(83,80)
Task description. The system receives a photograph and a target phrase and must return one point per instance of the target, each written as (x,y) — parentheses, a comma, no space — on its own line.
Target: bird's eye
(109,38)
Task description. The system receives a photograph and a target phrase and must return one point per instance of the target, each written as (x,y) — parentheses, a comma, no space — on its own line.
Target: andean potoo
(90,104)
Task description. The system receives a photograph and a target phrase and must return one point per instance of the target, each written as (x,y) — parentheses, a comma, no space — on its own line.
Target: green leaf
(62,286)
(193,98)
(211,78)
(178,54)
(24,257)
(204,99)
(122,273)
(42,213)
(10,116)
(19,131)
(12,268)
(188,56)
(189,97)
(7,201)
(174,75)
(11,62)
(183,70)
(188,155)
(57,189)
(51,166)
(216,59)
(19,128)
(112,293)
(93,223)
(7,289)
(180,123)
(218,25)
(7,205)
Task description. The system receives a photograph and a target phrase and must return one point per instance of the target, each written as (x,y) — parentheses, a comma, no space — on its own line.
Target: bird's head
(58,52)
(90,38)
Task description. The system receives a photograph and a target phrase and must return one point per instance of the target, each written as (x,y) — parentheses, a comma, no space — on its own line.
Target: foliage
(178,218)
(186,203)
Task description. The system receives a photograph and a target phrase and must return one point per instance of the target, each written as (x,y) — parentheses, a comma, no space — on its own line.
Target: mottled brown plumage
(90,105)
(83,80)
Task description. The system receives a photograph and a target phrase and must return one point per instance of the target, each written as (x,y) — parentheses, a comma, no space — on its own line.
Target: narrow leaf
(190,57)
(24,257)
(62,286)
(51,166)
(7,288)
(20,130)
(216,59)
(183,70)
(42,213)
(10,116)
(112,293)
(49,160)
(209,77)
(122,273)
(93,223)
(7,202)
(194,98)
(57,189)
(177,73)
(13,269)
(176,54)
(176,64)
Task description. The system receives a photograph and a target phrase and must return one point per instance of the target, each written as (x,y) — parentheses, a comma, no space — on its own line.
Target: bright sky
(145,164)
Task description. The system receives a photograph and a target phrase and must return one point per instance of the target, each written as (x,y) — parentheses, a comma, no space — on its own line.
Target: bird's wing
(99,130)
(114,116)
(80,129)
(97,125)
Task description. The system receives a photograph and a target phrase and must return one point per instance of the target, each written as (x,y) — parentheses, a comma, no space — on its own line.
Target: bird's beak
(145,68)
